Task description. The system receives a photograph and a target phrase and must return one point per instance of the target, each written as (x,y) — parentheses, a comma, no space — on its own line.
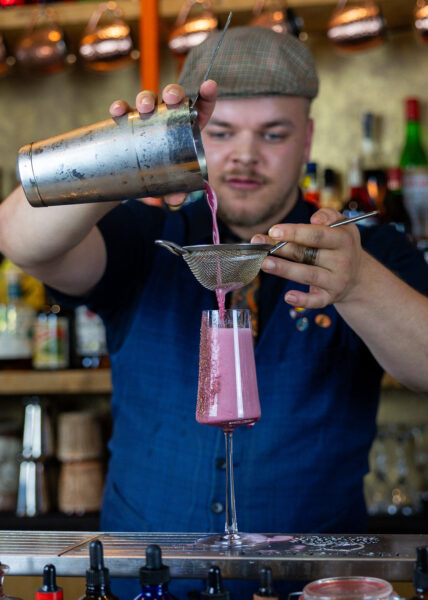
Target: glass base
(232,540)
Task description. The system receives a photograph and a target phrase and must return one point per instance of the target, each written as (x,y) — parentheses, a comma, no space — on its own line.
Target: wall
(376,80)
(33,108)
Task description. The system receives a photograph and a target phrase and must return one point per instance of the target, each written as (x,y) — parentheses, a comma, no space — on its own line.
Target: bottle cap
(154,571)
(420,572)
(393,176)
(266,589)
(215,587)
(412,109)
(97,576)
(49,589)
(311,168)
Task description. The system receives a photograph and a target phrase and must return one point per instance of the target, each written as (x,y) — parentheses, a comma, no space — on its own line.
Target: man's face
(255,149)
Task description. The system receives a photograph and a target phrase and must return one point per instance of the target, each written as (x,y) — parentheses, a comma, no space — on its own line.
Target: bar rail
(300,557)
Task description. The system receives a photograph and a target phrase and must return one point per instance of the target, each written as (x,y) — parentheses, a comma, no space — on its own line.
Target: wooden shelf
(50,522)
(315,13)
(78,381)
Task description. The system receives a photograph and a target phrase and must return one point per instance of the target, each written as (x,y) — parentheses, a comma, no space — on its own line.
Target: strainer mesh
(225,268)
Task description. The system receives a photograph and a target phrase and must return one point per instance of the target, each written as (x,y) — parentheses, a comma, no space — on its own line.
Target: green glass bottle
(414,164)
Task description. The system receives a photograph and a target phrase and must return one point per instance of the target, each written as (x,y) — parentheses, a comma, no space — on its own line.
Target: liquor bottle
(393,210)
(266,589)
(16,326)
(49,589)
(90,338)
(330,196)
(420,574)
(52,337)
(358,201)
(215,587)
(310,185)
(4,569)
(154,576)
(374,175)
(97,576)
(414,163)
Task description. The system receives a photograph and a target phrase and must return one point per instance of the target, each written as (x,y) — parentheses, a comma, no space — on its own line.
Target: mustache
(244,174)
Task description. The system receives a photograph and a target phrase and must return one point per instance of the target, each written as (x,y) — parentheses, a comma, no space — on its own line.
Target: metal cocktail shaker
(133,156)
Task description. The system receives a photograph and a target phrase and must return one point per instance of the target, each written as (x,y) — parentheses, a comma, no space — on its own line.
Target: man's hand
(172,94)
(336,273)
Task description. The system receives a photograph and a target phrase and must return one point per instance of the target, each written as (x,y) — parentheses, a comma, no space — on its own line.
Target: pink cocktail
(228,397)
(227,391)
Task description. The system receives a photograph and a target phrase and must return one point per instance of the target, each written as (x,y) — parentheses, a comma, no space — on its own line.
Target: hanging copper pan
(107,44)
(190,31)
(356,27)
(42,48)
(421,20)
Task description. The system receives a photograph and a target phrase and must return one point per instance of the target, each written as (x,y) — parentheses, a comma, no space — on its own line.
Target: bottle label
(16,331)
(51,343)
(90,333)
(415,193)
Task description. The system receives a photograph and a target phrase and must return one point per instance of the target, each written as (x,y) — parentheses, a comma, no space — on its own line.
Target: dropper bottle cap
(420,573)
(97,576)
(49,589)
(266,589)
(215,587)
(154,571)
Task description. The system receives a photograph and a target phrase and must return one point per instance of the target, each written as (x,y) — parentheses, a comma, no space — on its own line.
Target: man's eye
(218,135)
(275,137)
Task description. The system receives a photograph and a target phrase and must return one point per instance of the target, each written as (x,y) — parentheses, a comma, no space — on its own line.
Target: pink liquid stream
(213,204)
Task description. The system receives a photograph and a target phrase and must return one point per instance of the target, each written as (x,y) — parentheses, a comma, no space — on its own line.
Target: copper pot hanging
(277,16)
(355,27)
(421,20)
(42,47)
(190,31)
(107,44)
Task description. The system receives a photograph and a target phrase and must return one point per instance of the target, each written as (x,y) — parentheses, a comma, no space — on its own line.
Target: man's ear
(308,141)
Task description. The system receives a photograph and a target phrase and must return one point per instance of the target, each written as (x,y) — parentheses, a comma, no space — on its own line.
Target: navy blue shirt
(300,469)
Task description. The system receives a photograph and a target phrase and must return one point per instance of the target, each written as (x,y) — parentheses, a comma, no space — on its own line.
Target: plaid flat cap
(252,61)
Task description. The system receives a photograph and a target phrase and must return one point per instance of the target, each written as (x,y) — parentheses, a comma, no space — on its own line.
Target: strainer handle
(172,247)
(342,222)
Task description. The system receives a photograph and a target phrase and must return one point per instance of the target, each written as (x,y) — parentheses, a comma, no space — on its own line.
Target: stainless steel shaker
(133,156)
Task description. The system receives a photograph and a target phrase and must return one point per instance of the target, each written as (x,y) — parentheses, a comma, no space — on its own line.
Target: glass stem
(231,526)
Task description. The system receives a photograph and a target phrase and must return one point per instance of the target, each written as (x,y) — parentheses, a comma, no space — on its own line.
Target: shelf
(49,522)
(315,13)
(79,381)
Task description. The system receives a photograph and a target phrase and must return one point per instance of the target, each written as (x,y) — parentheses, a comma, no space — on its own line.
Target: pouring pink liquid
(213,204)
(227,390)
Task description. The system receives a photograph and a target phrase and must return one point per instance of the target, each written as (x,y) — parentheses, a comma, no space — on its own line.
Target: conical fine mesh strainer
(228,267)
(224,267)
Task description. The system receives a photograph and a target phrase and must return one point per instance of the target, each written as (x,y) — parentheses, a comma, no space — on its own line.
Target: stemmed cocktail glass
(227,398)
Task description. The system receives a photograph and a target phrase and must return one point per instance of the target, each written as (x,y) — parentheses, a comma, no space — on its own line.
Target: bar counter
(302,557)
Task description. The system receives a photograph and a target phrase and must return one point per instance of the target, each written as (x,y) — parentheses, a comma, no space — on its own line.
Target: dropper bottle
(266,589)
(4,569)
(420,574)
(49,589)
(154,576)
(215,589)
(97,576)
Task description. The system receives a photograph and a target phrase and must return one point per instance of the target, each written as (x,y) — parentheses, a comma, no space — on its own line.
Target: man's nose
(245,150)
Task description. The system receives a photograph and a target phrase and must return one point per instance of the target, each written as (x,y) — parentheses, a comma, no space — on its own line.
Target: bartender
(320,350)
